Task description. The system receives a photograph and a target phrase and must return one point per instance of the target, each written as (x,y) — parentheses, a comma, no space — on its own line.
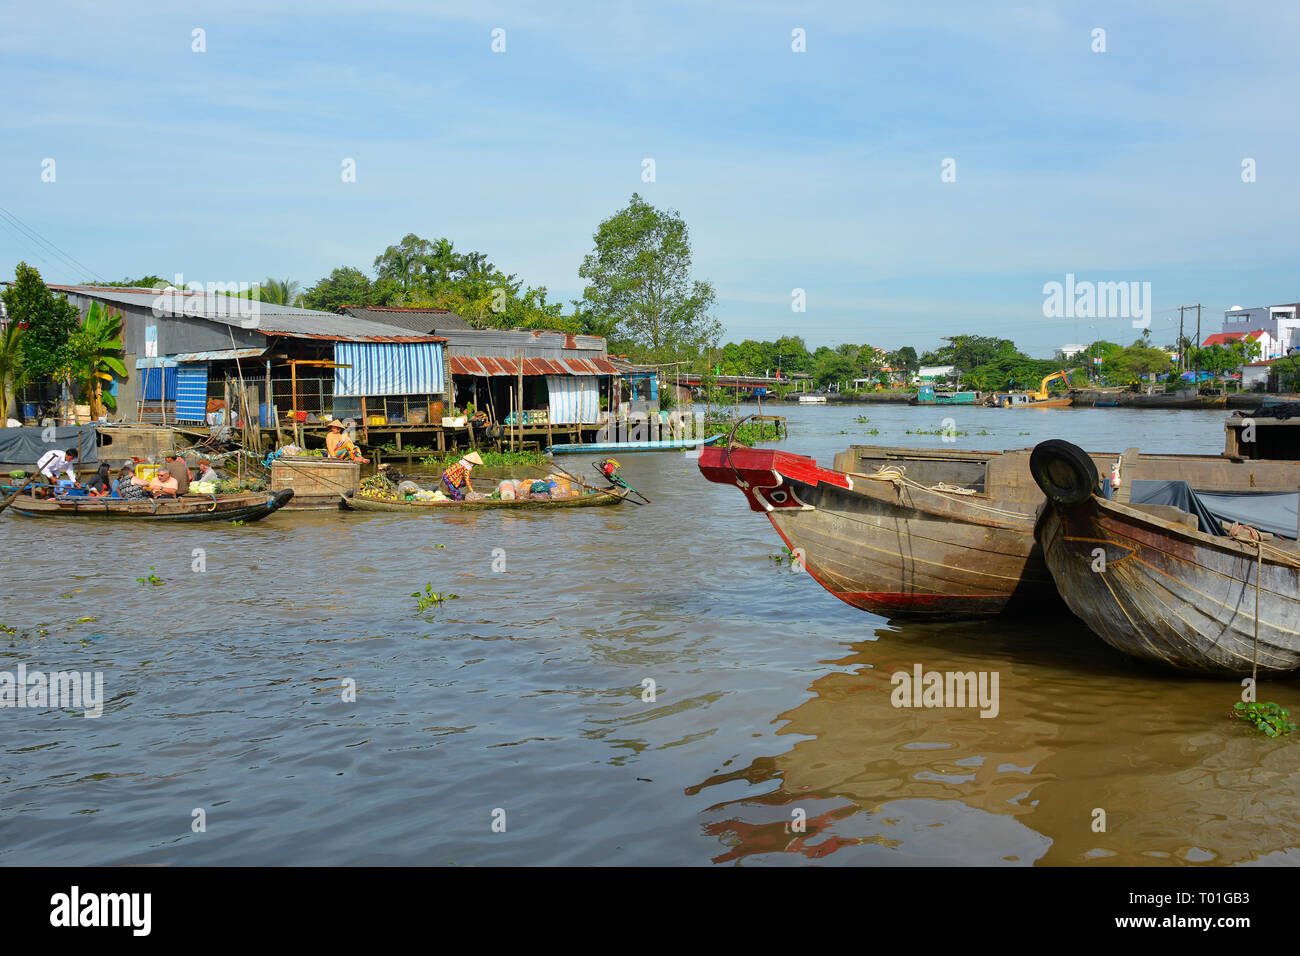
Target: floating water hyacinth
(1269,718)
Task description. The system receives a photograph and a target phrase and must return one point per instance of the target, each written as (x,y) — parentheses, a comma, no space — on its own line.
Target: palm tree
(11,372)
(96,347)
(279,292)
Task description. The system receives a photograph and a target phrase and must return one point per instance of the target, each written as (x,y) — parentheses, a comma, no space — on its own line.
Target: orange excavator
(1040,398)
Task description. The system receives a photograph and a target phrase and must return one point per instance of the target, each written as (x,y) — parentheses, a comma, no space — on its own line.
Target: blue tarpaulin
(1274,512)
(409,368)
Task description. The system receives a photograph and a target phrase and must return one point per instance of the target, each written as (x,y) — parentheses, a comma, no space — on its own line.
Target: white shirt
(55,461)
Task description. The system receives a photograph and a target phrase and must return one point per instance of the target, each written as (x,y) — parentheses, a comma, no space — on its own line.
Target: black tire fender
(1064,471)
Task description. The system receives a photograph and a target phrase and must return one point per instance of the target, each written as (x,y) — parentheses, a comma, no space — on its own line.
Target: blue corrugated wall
(388,369)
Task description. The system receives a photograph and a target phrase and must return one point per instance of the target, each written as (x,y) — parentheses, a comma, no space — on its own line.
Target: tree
(639,275)
(1135,363)
(279,292)
(95,349)
(968,352)
(831,367)
(405,262)
(49,322)
(11,366)
(343,287)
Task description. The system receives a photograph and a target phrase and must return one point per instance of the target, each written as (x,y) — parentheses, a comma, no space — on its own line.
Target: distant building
(1256,374)
(1267,345)
(1279,321)
(1067,352)
(935,373)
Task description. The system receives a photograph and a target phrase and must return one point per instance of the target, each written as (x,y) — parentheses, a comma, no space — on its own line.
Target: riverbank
(1085,398)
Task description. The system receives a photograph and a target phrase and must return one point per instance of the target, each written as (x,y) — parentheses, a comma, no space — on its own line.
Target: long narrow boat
(1149,581)
(594,499)
(245,507)
(683,444)
(936,533)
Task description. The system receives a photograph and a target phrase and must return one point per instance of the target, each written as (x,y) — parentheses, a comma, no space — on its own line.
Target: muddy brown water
(772,737)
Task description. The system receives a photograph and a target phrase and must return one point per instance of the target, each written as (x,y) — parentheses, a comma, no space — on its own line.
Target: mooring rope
(896,475)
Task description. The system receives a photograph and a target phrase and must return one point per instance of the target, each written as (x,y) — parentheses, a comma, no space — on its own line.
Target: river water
(228,735)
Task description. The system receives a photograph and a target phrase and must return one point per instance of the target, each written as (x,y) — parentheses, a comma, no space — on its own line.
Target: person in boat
(128,487)
(163,486)
(205,471)
(51,463)
(180,471)
(455,480)
(339,445)
(102,482)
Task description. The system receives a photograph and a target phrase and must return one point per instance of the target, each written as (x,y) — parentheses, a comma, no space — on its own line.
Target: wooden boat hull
(1162,591)
(247,507)
(912,549)
(897,551)
(1170,594)
(619,447)
(360,503)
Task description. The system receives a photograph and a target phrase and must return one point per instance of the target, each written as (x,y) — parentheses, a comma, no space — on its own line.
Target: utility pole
(1198,349)
(1182,357)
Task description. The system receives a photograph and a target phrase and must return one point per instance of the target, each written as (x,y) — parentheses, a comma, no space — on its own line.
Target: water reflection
(1080,729)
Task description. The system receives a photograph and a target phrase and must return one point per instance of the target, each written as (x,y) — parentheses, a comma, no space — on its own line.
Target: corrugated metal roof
(507,342)
(500,365)
(264,317)
(418,320)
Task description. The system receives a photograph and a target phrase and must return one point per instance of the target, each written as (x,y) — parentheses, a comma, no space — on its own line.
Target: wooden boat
(608,447)
(1149,582)
(911,532)
(244,507)
(926,395)
(595,499)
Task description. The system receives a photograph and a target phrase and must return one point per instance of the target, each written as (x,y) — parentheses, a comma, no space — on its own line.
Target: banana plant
(96,347)
(11,373)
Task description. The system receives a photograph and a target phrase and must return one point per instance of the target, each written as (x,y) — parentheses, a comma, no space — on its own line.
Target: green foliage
(144,282)
(491,459)
(1135,363)
(431,598)
(1268,718)
(95,348)
(786,558)
(49,322)
(11,365)
(432,274)
(152,578)
(278,292)
(969,352)
(639,284)
(830,366)
(347,286)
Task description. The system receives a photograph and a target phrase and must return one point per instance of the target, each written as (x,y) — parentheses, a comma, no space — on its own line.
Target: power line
(35,236)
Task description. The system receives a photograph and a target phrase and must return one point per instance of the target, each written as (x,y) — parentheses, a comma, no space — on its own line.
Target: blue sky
(816,170)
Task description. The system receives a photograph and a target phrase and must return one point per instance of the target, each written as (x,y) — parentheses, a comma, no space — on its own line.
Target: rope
(896,474)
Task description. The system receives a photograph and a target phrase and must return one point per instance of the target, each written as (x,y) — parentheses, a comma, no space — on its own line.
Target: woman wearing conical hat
(339,445)
(455,480)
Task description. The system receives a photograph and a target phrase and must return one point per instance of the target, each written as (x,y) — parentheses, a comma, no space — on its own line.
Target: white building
(1280,322)
(931,373)
(1067,352)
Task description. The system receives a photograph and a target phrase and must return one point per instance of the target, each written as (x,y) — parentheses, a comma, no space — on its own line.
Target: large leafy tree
(968,352)
(638,275)
(348,286)
(96,347)
(49,322)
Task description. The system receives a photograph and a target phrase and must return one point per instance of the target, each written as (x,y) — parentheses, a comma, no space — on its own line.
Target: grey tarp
(1274,512)
(23,447)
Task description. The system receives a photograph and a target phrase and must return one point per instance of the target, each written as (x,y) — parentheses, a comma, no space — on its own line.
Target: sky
(821,170)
